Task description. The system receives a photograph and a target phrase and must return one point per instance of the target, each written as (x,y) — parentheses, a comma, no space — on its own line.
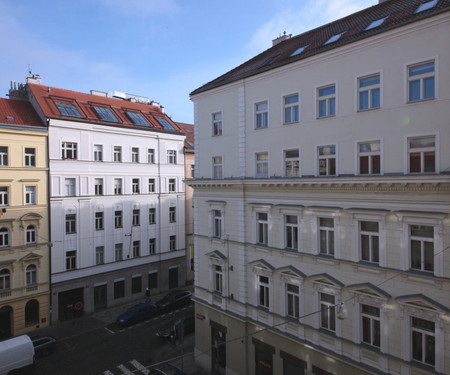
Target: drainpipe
(159,203)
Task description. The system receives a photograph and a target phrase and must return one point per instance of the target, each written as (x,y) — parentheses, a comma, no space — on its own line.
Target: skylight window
(270,60)
(165,124)
(106,114)
(190,143)
(375,24)
(137,118)
(67,109)
(334,38)
(298,51)
(426,6)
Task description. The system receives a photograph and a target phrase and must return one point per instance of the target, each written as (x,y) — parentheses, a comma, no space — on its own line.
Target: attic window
(67,109)
(190,143)
(375,24)
(106,114)
(426,6)
(10,118)
(165,124)
(269,60)
(137,118)
(298,51)
(333,39)
(188,131)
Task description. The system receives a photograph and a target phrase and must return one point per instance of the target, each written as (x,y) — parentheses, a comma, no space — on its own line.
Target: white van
(16,354)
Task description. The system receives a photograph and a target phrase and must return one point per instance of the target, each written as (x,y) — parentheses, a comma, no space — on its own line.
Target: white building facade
(322,228)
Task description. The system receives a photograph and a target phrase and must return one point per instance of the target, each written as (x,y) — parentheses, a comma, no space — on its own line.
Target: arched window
(4,237)
(4,279)
(32,312)
(31,275)
(31,234)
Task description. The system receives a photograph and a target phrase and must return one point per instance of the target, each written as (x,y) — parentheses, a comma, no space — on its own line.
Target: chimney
(281,38)
(35,78)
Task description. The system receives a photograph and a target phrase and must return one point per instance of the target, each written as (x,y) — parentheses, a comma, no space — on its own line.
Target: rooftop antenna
(29,70)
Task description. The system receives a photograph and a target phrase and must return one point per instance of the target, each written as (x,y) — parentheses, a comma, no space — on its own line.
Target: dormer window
(137,118)
(426,6)
(67,109)
(375,24)
(106,114)
(334,38)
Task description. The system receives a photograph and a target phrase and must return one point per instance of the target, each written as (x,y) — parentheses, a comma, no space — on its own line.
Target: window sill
(324,117)
(420,100)
(367,109)
(291,123)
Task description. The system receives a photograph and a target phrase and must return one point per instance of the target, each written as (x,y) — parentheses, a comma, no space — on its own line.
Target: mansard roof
(386,16)
(18,112)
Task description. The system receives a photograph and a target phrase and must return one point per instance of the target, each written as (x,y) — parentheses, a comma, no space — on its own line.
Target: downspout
(49,244)
(159,203)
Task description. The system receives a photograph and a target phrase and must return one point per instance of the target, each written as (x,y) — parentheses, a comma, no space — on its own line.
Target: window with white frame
(4,195)
(421,238)
(118,252)
(135,186)
(69,184)
(68,150)
(71,223)
(136,249)
(3,155)
(369,241)
(327,311)
(369,158)
(30,157)
(369,92)
(31,274)
(292,300)
(326,236)
(172,214)
(370,325)
(118,219)
(99,221)
(262,115)
(5,279)
(326,101)
(151,185)
(262,164)
(422,154)
(217,223)
(291,108)
(117,154)
(421,81)
(4,237)
(292,163)
(217,123)
(136,217)
(135,154)
(99,255)
(218,279)
(117,186)
(264,290)
(151,155)
(152,215)
(98,153)
(98,186)
(262,228)
(291,232)
(71,260)
(152,246)
(30,194)
(217,167)
(171,185)
(423,341)
(30,235)
(172,243)
(171,156)
(327,160)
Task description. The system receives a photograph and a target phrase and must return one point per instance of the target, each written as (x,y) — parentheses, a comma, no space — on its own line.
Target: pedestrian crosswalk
(132,368)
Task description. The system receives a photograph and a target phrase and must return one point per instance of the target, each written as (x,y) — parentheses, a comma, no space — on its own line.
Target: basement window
(106,114)
(334,38)
(375,24)
(165,124)
(137,118)
(426,6)
(67,109)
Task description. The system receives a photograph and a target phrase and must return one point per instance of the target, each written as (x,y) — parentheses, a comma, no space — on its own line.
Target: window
(136,217)
(292,300)
(151,155)
(422,154)
(135,186)
(327,160)
(152,215)
(369,237)
(326,102)
(370,325)
(118,252)
(135,155)
(118,219)
(262,164)
(369,92)
(30,195)
(4,237)
(171,157)
(423,341)
(425,6)
(99,255)
(298,51)
(375,24)
(369,157)
(172,243)
(262,228)
(422,247)
(217,123)
(334,38)
(30,235)
(67,109)
(71,260)
(291,163)
(119,288)
(4,196)
(262,115)
(263,287)
(4,279)
(117,154)
(217,223)
(3,155)
(326,235)
(151,185)
(117,186)
(218,279)
(291,232)
(172,215)
(153,280)
(327,312)
(99,221)
(217,167)
(171,185)
(152,246)
(421,81)
(30,157)
(165,123)
(105,114)
(70,187)
(98,152)
(71,223)
(291,109)
(136,284)
(136,249)
(68,150)
(98,186)
(137,118)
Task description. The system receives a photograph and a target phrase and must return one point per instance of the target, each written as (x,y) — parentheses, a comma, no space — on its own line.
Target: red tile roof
(188,129)
(18,112)
(398,13)
(47,97)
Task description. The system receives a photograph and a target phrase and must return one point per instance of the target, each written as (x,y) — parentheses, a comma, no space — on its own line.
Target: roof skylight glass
(106,114)
(426,6)
(299,51)
(67,109)
(190,143)
(165,124)
(375,24)
(137,118)
(334,38)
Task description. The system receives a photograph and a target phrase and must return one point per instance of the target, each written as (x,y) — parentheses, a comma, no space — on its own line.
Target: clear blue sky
(160,49)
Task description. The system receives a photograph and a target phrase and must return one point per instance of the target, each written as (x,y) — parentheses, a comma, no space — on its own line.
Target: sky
(159,49)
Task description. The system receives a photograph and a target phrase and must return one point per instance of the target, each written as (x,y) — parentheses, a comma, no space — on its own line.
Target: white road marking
(107,372)
(124,370)
(140,367)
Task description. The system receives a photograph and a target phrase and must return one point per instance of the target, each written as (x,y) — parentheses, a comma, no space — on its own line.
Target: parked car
(166,369)
(16,355)
(174,300)
(43,346)
(137,313)
(170,330)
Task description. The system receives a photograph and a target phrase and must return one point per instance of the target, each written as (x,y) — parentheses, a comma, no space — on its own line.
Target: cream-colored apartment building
(322,201)
(24,238)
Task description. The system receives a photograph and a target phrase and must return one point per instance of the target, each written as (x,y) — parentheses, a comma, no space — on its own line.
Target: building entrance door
(5,322)
(100,297)
(71,304)
(173,277)
(218,350)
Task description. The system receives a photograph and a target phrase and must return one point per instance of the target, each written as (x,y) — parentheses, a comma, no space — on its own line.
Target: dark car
(137,313)
(174,300)
(170,330)
(43,346)
(166,369)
